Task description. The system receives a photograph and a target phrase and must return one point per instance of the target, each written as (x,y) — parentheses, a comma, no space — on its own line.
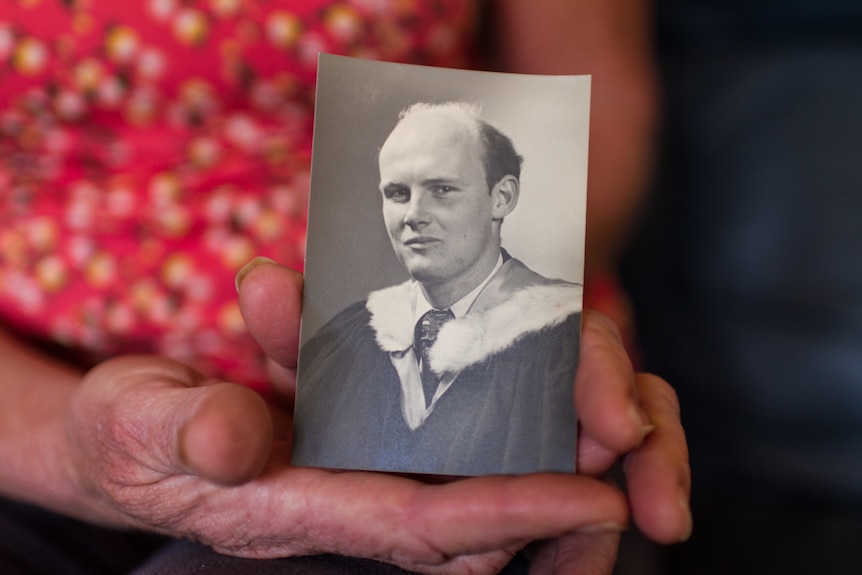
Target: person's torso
(748,269)
(148,149)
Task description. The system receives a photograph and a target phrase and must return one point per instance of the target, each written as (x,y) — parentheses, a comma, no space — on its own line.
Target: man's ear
(505,194)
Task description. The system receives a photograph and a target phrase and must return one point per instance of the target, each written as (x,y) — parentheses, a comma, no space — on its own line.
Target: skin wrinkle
(167,521)
(298,534)
(511,484)
(104,485)
(421,502)
(302,496)
(329,531)
(414,512)
(113,435)
(610,363)
(652,461)
(671,406)
(116,429)
(247,540)
(430,556)
(421,545)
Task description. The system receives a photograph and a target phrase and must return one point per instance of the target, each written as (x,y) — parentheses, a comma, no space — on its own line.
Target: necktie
(424,336)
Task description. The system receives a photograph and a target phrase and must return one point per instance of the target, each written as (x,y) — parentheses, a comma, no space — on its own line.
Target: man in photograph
(468,367)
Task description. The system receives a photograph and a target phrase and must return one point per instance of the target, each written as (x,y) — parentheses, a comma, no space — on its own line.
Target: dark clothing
(37,542)
(509,410)
(747,270)
(186,558)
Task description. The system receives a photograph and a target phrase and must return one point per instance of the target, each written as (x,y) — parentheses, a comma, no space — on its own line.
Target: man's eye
(442,190)
(397,194)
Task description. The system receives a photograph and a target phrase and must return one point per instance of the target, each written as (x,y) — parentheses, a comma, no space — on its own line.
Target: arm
(57,423)
(34,394)
(611,40)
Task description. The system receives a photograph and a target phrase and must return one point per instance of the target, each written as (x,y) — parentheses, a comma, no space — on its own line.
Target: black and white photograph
(444,270)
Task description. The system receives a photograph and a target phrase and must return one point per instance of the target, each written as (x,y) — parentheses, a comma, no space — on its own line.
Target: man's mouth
(420,242)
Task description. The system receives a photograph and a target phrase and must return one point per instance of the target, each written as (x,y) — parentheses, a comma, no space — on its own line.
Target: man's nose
(417,214)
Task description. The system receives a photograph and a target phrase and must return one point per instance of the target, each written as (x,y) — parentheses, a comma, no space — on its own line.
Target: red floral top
(150,148)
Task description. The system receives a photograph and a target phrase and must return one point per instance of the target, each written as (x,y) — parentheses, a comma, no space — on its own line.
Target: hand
(616,407)
(621,413)
(159,447)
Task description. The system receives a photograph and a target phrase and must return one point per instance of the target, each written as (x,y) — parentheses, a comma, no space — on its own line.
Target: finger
(270,299)
(406,522)
(283,382)
(584,554)
(227,437)
(612,421)
(658,473)
(166,419)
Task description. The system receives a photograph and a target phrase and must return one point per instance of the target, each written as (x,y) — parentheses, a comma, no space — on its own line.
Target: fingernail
(645,431)
(686,508)
(640,419)
(244,270)
(638,416)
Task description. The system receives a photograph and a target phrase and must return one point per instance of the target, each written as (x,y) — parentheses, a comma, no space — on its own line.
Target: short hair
(499,157)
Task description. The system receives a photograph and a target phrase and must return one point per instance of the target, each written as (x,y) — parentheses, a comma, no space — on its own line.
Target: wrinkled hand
(159,447)
(622,415)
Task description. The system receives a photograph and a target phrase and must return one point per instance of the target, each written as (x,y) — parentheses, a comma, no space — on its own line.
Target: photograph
(444,270)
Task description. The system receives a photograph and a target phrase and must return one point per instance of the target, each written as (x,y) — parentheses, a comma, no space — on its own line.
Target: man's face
(436,203)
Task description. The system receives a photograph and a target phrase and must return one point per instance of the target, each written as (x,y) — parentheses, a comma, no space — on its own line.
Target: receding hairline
(468,109)
(467,113)
(463,116)
(490,139)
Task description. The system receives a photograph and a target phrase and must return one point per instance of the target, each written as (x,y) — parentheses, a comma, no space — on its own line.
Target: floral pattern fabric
(148,149)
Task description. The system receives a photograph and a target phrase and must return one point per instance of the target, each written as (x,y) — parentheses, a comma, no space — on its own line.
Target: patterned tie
(424,336)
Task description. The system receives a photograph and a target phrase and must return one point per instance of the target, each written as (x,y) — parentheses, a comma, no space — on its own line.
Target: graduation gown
(509,409)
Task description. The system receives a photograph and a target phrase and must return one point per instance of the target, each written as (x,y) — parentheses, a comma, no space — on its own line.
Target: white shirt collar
(461,307)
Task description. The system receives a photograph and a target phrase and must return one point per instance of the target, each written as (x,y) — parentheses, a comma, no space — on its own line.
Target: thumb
(154,413)
(227,434)
(270,298)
